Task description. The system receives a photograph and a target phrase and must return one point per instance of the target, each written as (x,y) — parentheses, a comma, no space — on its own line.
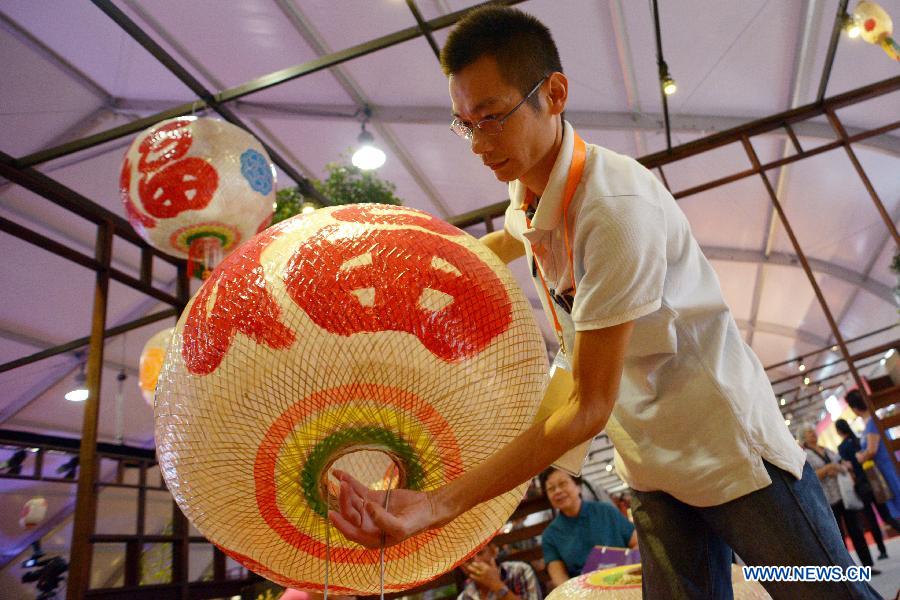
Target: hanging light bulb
(669,86)
(666,80)
(368,156)
(80,392)
(851,26)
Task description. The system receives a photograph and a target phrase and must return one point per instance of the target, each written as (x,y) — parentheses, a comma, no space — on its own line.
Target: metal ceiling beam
(424,28)
(771,123)
(78,76)
(69,199)
(807,337)
(802,70)
(872,286)
(832,48)
(256,85)
(198,67)
(312,37)
(626,65)
(55,375)
(159,53)
(663,70)
(582,119)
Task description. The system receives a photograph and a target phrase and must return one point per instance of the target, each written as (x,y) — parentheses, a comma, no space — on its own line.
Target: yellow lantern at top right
(876,27)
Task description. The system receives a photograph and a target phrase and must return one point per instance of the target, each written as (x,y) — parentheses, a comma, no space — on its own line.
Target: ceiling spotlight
(669,86)
(368,156)
(609,467)
(801,367)
(783,401)
(80,392)
(787,422)
(806,381)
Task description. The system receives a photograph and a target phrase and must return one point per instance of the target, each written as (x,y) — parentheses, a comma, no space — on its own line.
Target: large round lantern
(370,338)
(624,583)
(151,362)
(195,188)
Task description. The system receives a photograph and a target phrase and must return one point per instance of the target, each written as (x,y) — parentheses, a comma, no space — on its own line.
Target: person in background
(511,580)
(828,466)
(848,449)
(579,526)
(873,449)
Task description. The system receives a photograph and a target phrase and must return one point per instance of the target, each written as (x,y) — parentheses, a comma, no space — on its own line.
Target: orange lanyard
(576,169)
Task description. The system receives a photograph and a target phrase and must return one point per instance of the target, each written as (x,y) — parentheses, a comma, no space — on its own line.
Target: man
(512,580)
(697,431)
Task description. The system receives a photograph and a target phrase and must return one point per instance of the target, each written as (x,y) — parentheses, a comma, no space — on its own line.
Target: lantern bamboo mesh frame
(236,445)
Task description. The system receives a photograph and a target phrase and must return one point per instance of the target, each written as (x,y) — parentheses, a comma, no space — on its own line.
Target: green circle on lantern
(367,437)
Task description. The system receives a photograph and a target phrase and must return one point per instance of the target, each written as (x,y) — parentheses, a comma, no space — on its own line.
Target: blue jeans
(686,551)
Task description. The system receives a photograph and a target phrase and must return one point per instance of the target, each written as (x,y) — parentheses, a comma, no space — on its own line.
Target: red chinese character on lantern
(400,280)
(241,302)
(130,209)
(391,215)
(170,184)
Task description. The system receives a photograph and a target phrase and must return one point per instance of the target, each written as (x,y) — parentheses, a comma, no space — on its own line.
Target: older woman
(827,466)
(579,526)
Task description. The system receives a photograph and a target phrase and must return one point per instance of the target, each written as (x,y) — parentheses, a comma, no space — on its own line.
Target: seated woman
(579,526)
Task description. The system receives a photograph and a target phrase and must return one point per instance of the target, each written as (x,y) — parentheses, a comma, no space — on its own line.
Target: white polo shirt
(696,414)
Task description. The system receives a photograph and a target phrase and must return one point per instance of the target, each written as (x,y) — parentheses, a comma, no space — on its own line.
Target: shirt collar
(549,210)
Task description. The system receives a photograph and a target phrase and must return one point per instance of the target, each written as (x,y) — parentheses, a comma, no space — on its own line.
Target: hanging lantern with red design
(374,339)
(195,188)
(875,26)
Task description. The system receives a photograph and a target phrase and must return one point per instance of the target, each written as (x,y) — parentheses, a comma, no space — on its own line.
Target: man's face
(478,92)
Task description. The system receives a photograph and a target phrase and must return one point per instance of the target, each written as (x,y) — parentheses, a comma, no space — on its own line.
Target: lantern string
(387,499)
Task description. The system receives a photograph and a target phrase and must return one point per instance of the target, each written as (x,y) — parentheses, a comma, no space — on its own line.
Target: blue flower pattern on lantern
(255,169)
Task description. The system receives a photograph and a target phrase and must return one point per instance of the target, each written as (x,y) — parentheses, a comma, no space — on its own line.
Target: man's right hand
(363,519)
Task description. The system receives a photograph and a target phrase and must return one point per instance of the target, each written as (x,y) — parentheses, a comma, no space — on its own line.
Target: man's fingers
(351,532)
(358,488)
(350,505)
(385,521)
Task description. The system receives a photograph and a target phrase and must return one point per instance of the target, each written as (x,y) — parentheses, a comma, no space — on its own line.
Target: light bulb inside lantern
(851,26)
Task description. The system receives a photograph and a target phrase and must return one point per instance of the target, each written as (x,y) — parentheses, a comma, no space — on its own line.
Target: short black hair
(542,478)
(855,400)
(843,428)
(522,46)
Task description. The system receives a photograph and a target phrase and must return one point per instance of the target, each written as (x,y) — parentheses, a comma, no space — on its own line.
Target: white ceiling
(69,71)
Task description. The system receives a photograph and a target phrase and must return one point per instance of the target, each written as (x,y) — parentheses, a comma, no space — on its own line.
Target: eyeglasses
(491,125)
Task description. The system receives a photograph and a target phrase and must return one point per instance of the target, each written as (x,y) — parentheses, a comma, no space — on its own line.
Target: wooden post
(86,499)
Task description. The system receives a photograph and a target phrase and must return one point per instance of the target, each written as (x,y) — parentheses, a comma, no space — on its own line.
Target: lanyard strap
(576,169)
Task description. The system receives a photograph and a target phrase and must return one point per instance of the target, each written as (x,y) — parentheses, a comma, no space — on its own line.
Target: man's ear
(558,93)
